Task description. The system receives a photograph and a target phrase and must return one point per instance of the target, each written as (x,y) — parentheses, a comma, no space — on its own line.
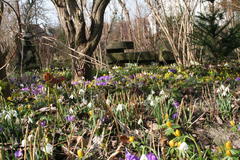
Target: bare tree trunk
(3,53)
(83,40)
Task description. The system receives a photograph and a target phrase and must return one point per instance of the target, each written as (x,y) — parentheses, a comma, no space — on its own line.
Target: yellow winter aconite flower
(177,144)
(177,133)
(228,153)
(169,124)
(20,108)
(29,106)
(232,123)
(9,98)
(90,113)
(228,145)
(171,143)
(131,139)
(80,153)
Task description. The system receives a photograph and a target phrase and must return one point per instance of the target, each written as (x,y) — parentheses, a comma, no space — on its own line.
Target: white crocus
(48,148)
(143,157)
(183,146)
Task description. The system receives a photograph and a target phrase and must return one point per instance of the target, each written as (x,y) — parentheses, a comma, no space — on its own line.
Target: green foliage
(215,37)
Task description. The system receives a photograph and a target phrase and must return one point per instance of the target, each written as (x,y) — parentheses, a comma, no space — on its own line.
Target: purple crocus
(75,83)
(176,104)
(175,115)
(70,118)
(237,79)
(1,129)
(101,83)
(18,154)
(25,89)
(239,127)
(172,70)
(151,156)
(43,123)
(130,156)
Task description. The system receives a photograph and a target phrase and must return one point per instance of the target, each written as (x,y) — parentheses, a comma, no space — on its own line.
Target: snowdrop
(143,157)
(47,149)
(120,107)
(183,146)
(71,96)
(81,92)
(90,105)
(222,90)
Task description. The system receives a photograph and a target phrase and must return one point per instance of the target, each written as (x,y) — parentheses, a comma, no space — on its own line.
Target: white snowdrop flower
(60,100)
(152,103)
(30,137)
(108,101)
(84,101)
(8,117)
(23,143)
(90,105)
(120,107)
(30,120)
(140,121)
(47,149)
(71,96)
(150,97)
(222,90)
(183,146)
(81,92)
(152,92)
(71,111)
(21,85)
(143,157)
(13,113)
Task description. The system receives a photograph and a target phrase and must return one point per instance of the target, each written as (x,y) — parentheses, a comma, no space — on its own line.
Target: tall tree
(73,15)
(4,49)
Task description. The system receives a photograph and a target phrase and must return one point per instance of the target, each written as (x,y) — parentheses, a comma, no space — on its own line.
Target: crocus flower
(175,115)
(176,104)
(237,79)
(43,123)
(70,118)
(18,154)
(239,127)
(25,89)
(130,156)
(172,70)
(151,156)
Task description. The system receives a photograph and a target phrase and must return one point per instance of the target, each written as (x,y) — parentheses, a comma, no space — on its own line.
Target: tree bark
(72,18)
(3,53)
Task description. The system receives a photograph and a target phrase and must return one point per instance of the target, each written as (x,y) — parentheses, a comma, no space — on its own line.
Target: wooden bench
(117,53)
